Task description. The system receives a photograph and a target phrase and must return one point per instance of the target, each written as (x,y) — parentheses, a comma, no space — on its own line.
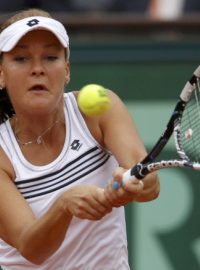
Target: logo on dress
(76,145)
(33,22)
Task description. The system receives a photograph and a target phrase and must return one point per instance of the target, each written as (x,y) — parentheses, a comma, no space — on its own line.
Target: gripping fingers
(94,210)
(125,178)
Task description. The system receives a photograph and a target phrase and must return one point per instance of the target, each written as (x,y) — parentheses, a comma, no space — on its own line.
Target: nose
(37,68)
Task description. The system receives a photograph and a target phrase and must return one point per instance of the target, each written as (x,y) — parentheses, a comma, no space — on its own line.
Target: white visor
(11,35)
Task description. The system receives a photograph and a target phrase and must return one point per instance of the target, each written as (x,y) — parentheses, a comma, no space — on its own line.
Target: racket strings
(190,126)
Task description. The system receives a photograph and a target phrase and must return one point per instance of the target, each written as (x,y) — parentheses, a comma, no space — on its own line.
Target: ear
(67,72)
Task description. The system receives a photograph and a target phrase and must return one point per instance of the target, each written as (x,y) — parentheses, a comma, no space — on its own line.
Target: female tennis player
(58,209)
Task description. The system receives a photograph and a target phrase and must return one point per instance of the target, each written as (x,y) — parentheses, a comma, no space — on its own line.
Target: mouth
(38,87)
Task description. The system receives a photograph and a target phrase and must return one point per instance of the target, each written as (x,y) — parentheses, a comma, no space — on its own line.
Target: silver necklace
(39,139)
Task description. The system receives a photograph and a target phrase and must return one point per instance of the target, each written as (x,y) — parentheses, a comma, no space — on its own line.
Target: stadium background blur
(145,51)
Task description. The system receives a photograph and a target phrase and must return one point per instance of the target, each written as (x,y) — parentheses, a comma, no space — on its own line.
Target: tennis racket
(184,124)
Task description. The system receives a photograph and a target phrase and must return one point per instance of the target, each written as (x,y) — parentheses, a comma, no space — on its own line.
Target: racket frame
(141,169)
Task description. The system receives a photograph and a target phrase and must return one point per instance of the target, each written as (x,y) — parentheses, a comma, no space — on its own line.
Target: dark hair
(6,108)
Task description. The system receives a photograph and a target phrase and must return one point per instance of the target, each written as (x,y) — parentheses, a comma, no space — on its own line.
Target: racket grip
(125,177)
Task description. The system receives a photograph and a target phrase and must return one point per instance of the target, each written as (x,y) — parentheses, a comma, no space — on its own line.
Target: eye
(20,58)
(51,57)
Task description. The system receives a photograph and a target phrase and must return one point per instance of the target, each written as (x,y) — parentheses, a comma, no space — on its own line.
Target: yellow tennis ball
(93,100)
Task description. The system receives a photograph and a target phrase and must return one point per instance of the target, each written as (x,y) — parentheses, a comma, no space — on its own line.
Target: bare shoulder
(6,165)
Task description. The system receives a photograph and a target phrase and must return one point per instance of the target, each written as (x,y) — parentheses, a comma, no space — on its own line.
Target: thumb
(117,178)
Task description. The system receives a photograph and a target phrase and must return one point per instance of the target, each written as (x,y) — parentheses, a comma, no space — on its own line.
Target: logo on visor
(33,22)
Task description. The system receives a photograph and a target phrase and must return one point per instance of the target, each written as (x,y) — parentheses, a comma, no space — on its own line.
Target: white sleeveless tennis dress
(89,245)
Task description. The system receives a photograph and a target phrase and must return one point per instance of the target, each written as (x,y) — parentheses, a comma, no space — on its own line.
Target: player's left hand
(124,194)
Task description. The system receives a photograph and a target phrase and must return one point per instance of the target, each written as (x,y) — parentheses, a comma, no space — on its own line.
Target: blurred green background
(148,75)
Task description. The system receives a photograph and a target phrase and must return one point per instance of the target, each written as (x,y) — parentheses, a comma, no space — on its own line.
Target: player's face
(35,72)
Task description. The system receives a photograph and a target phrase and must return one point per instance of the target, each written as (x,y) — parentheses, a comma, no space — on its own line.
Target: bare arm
(38,238)
(22,230)
(122,139)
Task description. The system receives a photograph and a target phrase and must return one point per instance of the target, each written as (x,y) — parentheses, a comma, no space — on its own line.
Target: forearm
(44,236)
